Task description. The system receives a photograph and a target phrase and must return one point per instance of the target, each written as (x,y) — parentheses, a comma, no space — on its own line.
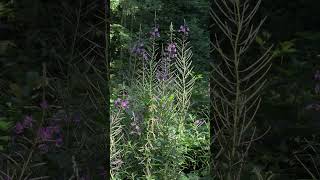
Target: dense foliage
(52,114)
(53,83)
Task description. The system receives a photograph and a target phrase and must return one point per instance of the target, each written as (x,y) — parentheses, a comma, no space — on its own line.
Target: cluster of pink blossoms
(45,134)
(123,103)
(25,124)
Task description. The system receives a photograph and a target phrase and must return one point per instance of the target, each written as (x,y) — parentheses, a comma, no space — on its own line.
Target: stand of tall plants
(155,128)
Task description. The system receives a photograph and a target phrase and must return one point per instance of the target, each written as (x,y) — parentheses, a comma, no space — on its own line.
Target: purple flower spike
(117,102)
(155,32)
(44,104)
(27,122)
(19,128)
(45,133)
(162,76)
(7,177)
(172,50)
(184,29)
(125,104)
(145,55)
(140,51)
(138,48)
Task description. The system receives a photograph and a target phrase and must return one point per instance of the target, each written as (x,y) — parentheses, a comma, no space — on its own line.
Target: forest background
(56,40)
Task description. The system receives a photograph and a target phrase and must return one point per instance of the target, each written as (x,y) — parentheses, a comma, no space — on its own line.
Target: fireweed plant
(40,136)
(152,132)
(31,136)
(75,94)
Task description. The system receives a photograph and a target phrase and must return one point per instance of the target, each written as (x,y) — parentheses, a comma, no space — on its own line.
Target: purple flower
(155,32)
(162,76)
(19,128)
(7,177)
(145,55)
(172,50)
(45,133)
(138,48)
(50,133)
(44,148)
(44,104)
(124,104)
(121,103)
(184,29)
(27,122)
(140,51)
(59,141)
(117,102)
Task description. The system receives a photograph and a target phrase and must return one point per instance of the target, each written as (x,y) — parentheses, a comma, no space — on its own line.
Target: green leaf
(4,126)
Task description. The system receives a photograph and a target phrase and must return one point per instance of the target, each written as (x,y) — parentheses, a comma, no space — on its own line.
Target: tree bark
(107,58)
